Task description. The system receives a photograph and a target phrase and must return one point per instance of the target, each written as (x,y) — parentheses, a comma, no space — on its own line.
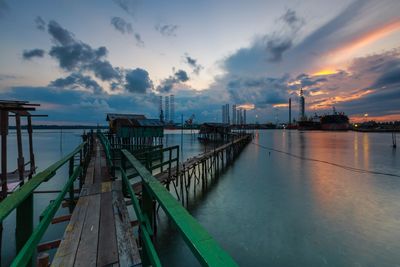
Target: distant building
(166,109)
(144,131)
(244,116)
(161,112)
(215,132)
(172,108)
(225,114)
(234,114)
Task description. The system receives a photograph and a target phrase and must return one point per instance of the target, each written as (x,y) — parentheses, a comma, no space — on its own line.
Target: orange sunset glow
(329,102)
(345,52)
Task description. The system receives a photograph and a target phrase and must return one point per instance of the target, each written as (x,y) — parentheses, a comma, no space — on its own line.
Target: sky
(83,59)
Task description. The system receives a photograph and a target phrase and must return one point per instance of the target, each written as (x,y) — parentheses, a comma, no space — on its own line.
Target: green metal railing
(21,200)
(200,242)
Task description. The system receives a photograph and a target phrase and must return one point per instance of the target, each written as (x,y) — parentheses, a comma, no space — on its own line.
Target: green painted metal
(24,224)
(23,257)
(15,199)
(203,246)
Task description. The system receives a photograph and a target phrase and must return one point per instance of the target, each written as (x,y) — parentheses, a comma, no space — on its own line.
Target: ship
(312,123)
(337,121)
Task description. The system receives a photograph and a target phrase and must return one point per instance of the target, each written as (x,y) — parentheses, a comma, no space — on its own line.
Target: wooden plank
(106,187)
(87,250)
(91,189)
(107,249)
(65,255)
(117,185)
(127,248)
(90,172)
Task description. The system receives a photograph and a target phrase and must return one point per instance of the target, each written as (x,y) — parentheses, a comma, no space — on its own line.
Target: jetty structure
(110,172)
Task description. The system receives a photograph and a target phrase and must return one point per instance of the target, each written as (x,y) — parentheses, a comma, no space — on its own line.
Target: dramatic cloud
(29,54)
(259,91)
(77,106)
(121,25)
(167,29)
(138,81)
(193,64)
(74,55)
(77,81)
(40,23)
(167,84)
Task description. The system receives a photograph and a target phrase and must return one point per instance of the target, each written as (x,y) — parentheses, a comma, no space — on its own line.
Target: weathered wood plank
(107,252)
(127,248)
(87,250)
(66,253)
(90,172)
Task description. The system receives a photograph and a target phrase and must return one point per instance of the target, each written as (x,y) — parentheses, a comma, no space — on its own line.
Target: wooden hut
(215,132)
(134,129)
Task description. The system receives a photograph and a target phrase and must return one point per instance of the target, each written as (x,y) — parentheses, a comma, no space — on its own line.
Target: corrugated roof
(113,116)
(150,123)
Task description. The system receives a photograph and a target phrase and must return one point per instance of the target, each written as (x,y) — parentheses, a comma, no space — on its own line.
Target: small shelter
(135,129)
(215,132)
(25,169)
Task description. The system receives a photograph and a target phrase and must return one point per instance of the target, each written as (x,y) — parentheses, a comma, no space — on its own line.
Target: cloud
(129,6)
(138,81)
(7,77)
(75,55)
(292,19)
(77,81)
(3,7)
(182,76)
(29,54)
(193,64)
(125,27)
(76,106)
(259,91)
(121,25)
(168,84)
(40,23)
(167,30)
(138,38)
(276,47)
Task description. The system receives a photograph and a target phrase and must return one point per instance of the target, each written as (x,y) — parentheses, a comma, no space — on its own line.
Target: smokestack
(290,111)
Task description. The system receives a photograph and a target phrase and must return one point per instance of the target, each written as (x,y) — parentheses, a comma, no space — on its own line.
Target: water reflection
(287,211)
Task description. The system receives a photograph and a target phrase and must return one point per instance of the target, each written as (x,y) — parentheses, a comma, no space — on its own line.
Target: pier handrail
(25,192)
(200,242)
(14,200)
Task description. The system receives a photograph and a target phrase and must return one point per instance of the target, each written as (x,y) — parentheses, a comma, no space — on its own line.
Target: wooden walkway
(99,232)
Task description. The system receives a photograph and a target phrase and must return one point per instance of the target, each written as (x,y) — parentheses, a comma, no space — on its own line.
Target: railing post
(147,206)
(24,226)
(71,189)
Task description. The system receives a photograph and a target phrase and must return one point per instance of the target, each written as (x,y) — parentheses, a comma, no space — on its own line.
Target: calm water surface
(274,209)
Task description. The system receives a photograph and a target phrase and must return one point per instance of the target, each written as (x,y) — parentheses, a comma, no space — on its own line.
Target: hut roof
(114,116)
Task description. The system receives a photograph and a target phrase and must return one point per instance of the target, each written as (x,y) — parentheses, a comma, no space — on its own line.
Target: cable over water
(327,162)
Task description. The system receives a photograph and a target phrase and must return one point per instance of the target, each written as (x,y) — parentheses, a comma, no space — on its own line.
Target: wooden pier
(99,232)
(97,192)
